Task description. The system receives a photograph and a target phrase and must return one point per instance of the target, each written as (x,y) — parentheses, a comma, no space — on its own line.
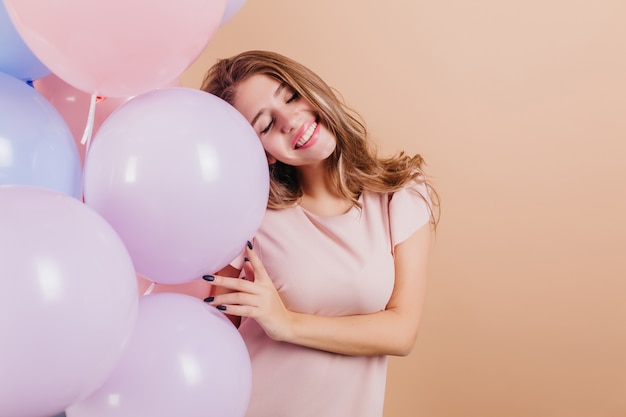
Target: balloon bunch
(171,187)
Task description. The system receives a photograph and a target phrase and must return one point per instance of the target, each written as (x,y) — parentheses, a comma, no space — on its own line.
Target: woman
(336,274)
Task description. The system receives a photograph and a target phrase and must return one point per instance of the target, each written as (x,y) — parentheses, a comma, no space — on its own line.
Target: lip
(301,131)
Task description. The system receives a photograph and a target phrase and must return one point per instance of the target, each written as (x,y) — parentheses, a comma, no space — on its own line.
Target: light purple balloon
(36,145)
(68,301)
(232,7)
(182,177)
(185,358)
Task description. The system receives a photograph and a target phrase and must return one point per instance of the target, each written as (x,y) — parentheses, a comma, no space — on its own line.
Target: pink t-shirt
(334,266)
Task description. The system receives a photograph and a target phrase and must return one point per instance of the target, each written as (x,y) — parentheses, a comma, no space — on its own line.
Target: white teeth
(306,136)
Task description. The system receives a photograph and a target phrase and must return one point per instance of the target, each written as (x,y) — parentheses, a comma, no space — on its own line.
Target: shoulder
(410,208)
(417,188)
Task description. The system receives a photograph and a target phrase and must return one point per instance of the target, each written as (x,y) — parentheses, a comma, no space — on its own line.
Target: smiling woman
(517,107)
(335,275)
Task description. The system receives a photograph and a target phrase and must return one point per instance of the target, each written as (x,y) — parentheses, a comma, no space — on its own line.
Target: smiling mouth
(306,136)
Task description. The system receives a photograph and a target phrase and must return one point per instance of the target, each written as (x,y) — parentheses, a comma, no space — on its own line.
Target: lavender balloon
(232,8)
(185,359)
(182,177)
(68,301)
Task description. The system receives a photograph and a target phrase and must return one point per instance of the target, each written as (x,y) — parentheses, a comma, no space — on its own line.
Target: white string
(149,290)
(86,140)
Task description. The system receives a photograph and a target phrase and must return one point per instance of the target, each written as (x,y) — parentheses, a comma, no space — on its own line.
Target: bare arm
(389,332)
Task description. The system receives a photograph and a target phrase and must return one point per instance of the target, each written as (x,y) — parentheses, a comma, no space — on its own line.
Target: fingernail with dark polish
(208,277)
(223,308)
(209,299)
(246,259)
(249,245)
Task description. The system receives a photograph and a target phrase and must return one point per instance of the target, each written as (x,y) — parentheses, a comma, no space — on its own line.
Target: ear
(270,159)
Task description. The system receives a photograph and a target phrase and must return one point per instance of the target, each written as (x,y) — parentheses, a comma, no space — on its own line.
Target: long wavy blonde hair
(354,165)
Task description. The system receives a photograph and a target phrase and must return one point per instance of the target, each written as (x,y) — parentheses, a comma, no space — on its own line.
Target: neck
(315,180)
(319,194)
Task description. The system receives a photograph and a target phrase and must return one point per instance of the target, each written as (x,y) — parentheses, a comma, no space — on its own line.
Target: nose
(288,120)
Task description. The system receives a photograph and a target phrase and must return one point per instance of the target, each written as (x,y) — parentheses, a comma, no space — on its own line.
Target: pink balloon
(68,301)
(73,105)
(116,48)
(182,177)
(185,358)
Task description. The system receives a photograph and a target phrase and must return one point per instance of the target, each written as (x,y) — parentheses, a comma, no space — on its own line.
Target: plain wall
(518,108)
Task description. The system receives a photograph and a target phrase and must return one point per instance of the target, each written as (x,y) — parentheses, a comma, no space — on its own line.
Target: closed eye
(294,97)
(269,126)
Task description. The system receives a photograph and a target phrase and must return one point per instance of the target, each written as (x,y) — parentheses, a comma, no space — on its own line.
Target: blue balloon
(36,145)
(16,58)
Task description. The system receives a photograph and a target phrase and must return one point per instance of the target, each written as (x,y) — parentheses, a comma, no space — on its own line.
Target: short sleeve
(237,263)
(409,210)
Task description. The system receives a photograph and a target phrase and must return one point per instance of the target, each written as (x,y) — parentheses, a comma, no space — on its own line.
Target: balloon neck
(86,140)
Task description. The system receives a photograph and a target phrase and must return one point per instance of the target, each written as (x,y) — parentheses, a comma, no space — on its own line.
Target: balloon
(68,301)
(73,105)
(185,358)
(16,58)
(36,146)
(232,7)
(182,177)
(117,48)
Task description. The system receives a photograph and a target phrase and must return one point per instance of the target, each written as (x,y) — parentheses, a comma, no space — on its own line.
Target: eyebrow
(276,94)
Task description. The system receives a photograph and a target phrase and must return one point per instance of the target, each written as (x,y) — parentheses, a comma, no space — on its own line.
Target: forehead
(254,94)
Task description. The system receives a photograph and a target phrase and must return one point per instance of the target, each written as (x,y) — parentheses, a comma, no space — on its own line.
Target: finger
(255,262)
(230,283)
(237,310)
(233,298)
(248,270)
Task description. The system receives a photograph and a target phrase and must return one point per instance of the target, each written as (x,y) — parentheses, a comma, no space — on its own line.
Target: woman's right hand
(255,297)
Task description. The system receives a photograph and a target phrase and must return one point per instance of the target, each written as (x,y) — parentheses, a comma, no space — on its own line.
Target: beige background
(518,108)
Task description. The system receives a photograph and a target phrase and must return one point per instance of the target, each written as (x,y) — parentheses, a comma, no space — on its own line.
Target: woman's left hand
(255,297)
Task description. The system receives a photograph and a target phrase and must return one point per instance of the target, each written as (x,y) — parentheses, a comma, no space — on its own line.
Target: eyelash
(295,96)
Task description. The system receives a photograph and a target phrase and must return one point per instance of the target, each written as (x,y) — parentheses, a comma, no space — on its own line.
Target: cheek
(268,148)
(329,148)
(330,141)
